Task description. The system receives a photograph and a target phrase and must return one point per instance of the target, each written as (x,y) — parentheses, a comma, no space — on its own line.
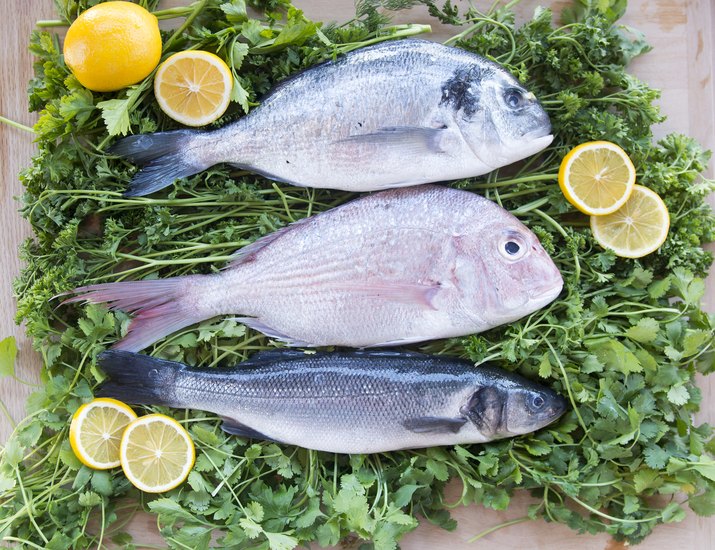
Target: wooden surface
(681,64)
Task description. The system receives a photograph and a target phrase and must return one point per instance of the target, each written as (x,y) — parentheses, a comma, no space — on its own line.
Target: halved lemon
(193,87)
(597,177)
(638,228)
(156,453)
(96,431)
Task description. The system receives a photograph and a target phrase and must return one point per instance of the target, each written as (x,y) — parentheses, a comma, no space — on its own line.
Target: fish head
(498,118)
(505,272)
(530,408)
(514,407)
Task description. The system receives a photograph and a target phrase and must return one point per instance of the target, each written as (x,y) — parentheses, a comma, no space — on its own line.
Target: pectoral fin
(434,424)
(392,291)
(416,140)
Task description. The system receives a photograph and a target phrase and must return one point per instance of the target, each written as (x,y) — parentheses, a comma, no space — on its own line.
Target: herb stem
(567,384)
(19,126)
(557,226)
(196,9)
(528,207)
(23,541)
(611,518)
(28,505)
(395,31)
(47,23)
(489,531)
(7,414)
(173,13)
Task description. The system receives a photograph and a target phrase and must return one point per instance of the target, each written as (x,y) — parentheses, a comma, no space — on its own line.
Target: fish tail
(159,307)
(139,379)
(164,158)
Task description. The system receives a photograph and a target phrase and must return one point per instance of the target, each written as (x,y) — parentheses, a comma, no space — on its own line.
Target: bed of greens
(624,342)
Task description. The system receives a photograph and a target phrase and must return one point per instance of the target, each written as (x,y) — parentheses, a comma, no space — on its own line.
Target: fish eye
(513,98)
(537,402)
(512,246)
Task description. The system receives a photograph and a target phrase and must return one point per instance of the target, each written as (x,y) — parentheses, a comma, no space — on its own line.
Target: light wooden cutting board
(681,65)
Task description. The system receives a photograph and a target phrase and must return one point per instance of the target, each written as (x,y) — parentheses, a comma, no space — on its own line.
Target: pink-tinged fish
(395,267)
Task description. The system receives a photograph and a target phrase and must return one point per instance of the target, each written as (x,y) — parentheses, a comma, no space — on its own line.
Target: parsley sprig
(624,343)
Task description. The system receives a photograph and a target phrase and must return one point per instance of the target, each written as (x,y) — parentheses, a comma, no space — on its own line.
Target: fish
(387,269)
(343,402)
(394,114)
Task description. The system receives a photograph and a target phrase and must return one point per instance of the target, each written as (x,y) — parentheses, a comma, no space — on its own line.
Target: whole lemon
(113,45)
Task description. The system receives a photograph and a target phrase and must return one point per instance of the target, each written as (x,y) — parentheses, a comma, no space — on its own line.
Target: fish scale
(390,115)
(396,267)
(345,402)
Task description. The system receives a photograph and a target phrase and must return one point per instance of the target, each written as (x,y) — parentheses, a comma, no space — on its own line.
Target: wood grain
(682,65)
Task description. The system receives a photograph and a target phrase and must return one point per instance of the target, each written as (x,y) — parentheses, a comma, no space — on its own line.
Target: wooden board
(682,65)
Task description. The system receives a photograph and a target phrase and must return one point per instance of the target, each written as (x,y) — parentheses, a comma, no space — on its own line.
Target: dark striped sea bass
(391,115)
(396,267)
(343,402)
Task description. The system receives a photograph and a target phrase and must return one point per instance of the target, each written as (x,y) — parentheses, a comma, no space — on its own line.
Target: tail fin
(158,306)
(139,379)
(164,157)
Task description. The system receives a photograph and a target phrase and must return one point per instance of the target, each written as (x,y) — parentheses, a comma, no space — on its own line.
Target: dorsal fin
(273,355)
(248,252)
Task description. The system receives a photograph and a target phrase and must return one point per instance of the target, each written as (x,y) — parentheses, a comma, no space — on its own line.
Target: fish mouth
(535,141)
(558,407)
(541,138)
(546,293)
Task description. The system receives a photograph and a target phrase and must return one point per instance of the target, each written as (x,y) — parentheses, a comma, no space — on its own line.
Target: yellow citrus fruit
(156,453)
(193,87)
(113,45)
(638,228)
(96,431)
(597,177)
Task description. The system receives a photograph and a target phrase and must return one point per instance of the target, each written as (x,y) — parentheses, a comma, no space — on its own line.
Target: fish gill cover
(623,343)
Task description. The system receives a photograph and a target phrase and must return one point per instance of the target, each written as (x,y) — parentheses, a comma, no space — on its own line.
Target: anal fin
(236,428)
(260,326)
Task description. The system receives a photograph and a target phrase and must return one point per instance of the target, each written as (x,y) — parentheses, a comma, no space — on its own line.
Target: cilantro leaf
(8,352)
(645,331)
(704,503)
(678,395)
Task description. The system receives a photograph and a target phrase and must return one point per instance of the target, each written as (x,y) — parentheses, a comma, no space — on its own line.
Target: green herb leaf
(8,352)
(645,331)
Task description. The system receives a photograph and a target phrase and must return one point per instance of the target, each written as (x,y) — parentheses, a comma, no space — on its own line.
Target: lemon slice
(638,228)
(597,177)
(156,453)
(96,430)
(193,87)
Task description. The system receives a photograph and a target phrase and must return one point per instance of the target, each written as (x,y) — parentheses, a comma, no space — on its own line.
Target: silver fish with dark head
(391,115)
(396,267)
(343,402)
